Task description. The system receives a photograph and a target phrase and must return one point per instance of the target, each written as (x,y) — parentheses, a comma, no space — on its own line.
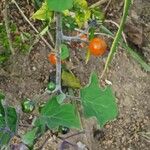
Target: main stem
(58,50)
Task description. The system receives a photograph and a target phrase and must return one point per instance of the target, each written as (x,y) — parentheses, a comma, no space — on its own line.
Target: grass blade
(131,51)
(144,65)
(116,41)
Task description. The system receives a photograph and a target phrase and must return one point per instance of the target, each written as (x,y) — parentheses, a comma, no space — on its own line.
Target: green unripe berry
(51,86)
(28,106)
(63,129)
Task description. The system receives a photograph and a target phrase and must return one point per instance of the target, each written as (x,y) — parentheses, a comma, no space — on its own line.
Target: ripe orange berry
(97,46)
(52,58)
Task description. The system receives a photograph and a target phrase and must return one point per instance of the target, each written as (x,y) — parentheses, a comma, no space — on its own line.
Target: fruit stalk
(73,38)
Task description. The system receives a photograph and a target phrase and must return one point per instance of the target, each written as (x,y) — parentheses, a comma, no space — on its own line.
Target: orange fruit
(52,58)
(97,47)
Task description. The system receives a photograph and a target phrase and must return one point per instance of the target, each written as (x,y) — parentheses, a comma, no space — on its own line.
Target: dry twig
(117,25)
(100,2)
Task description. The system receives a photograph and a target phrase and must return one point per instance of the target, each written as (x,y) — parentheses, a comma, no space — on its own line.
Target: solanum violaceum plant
(60,113)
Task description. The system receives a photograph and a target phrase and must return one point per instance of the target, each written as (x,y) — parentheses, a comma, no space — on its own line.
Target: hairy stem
(58,50)
(73,38)
(117,25)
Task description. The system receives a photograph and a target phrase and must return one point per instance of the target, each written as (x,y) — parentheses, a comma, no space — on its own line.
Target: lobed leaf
(98,102)
(54,115)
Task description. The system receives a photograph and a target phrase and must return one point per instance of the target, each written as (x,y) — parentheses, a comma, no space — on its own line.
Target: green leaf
(43,13)
(78,16)
(29,137)
(54,115)
(64,52)
(8,122)
(69,22)
(2,114)
(82,17)
(12,118)
(44,31)
(98,102)
(37,3)
(3,58)
(91,33)
(82,12)
(60,98)
(80,3)
(4,138)
(103,29)
(2,119)
(70,80)
(59,5)
(133,54)
(97,14)
(2,96)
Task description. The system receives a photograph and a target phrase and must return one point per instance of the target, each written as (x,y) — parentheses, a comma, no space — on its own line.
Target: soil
(26,75)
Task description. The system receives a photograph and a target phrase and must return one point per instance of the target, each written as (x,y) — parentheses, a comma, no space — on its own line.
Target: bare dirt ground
(27,75)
